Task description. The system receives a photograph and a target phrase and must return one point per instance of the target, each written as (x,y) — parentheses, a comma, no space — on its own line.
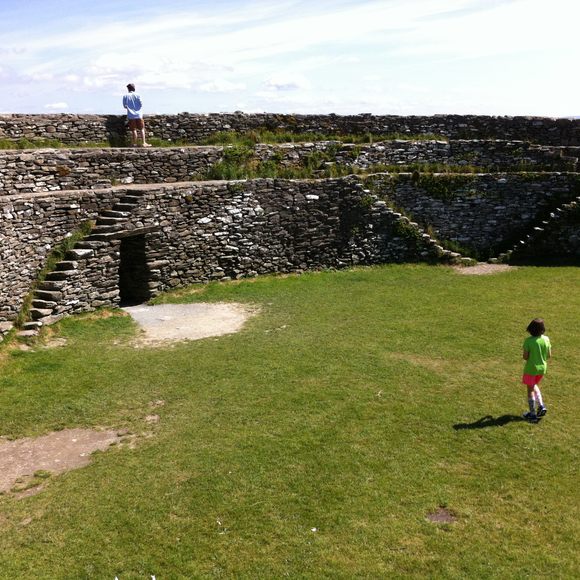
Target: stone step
(79,254)
(27,333)
(124,207)
(50,319)
(111,213)
(67,265)
(103,228)
(59,275)
(39,313)
(88,244)
(102,236)
(52,284)
(109,221)
(44,304)
(32,325)
(50,295)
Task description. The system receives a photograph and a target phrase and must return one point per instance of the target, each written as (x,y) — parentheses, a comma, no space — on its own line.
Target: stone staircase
(47,307)
(537,232)
(433,248)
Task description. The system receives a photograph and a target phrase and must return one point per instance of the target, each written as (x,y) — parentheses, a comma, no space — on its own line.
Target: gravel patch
(483,269)
(166,323)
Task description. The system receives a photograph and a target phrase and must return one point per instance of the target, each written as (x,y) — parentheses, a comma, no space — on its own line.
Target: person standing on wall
(132,102)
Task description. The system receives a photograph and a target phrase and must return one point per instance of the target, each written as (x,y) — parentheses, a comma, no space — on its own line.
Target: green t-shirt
(539,348)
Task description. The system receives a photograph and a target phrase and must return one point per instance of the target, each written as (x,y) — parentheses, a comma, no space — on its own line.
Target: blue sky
(498,57)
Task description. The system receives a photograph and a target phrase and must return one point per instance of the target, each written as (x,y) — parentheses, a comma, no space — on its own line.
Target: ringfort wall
(55,169)
(157,225)
(194,127)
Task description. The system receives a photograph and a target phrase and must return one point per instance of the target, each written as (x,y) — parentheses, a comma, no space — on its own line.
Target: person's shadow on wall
(116,127)
(489,421)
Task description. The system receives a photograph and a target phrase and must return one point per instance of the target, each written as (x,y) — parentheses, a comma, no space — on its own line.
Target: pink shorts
(532,380)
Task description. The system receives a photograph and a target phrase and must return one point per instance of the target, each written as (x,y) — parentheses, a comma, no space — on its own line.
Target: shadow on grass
(489,421)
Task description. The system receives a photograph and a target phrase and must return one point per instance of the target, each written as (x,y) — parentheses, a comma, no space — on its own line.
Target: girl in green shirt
(537,351)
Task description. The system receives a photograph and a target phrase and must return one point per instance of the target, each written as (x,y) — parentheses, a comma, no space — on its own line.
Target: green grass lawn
(349,405)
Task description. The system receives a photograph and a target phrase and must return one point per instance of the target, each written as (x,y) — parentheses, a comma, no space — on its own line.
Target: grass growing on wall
(263,136)
(24,143)
(314,443)
(239,163)
(246,139)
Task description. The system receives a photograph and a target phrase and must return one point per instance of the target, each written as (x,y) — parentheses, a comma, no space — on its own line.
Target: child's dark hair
(536,327)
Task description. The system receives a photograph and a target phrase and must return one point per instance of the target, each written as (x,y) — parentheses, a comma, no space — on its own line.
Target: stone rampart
(194,233)
(200,231)
(67,169)
(30,227)
(485,213)
(194,128)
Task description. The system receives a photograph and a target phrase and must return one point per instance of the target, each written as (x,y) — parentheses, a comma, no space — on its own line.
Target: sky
(400,57)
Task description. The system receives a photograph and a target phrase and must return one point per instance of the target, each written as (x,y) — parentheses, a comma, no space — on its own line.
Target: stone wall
(193,127)
(30,227)
(56,169)
(60,169)
(200,231)
(195,233)
(556,241)
(485,212)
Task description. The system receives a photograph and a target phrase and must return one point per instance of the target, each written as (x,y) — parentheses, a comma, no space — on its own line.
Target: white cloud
(56,106)
(221,86)
(286,82)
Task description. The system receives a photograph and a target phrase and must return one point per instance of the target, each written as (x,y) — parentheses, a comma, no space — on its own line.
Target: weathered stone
(39,313)
(222,230)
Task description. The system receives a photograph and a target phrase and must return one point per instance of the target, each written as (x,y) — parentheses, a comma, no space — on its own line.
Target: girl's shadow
(489,421)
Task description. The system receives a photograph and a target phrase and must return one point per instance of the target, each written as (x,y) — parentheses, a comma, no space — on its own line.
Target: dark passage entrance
(133,271)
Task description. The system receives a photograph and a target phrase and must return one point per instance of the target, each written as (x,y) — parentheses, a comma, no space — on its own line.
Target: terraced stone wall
(69,169)
(30,227)
(55,169)
(195,127)
(486,213)
(199,232)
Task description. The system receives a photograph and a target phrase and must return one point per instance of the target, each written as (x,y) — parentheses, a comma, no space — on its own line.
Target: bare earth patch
(22,460)
(441,516)
(483,268)
(165,323)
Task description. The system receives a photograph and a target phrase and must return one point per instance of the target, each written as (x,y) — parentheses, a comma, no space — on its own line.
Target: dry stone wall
(200,231)
(558,236)
(195,233)
(68,169)
(152,237)
(30,227)
(56,169)
(485,213)
(194,127)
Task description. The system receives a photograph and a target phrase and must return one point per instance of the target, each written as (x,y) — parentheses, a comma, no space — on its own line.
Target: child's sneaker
(530,416)
(542,411)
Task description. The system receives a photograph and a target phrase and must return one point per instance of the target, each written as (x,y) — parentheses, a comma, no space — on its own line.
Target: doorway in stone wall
(133,271)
